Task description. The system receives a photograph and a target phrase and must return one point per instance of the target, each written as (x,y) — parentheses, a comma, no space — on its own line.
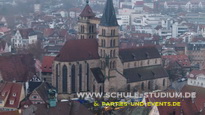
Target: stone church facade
(97,64)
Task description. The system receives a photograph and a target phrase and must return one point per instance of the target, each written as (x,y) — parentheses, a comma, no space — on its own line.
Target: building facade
(99,65)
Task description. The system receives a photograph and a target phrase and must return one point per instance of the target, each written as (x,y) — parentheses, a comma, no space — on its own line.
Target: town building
(11,96)
(196,78)
(23,38)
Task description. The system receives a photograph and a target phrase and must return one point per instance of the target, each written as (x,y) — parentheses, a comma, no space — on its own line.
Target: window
(111,43)
(11,102)
(114,65)
(142,86)
(110,53)
(88,73)
(155,61)
(103,32)
(111,65)
(73,78)
(80,77)
(101,52)
(149,85)
(57,76)
(93,88)
(112,32)
(163,82)
(102,43)
(34,97)
(128,87)
(113,53)
(90,29)
(65,79)
(14,94)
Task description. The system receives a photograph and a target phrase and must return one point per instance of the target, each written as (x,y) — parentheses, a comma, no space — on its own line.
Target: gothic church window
(65,77)
(80,77)
(73,78)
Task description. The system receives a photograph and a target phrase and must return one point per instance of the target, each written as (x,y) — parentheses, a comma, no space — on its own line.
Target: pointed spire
(87,1)
(109,16)
(87,11)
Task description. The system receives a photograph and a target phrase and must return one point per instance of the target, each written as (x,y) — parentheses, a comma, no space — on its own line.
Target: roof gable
(87,12)
(78,50)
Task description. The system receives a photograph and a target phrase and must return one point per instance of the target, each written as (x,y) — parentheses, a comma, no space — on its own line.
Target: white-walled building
(123,19)
(196,78)
(178,29)
(24,37)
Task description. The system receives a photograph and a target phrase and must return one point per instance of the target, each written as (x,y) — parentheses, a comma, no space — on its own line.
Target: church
(93,62)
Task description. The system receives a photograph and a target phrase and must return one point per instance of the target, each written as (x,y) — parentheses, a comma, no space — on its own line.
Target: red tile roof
(78,50)
(11,91)
(4,29)
(193,74)
(87,12)
(26,32)
(47,63)
(183,60)
(49,32)
(186,108)
(199,101)
(19,67)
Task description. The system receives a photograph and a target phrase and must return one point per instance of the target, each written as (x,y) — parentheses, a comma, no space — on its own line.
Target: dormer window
(103,32)
(14,94)
(147,55)
(25,106)
(11,102)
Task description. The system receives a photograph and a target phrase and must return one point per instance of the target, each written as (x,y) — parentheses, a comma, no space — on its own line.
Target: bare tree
(35,49)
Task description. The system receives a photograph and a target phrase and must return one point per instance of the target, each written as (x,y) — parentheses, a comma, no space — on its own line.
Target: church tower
(86,29)
(108,39)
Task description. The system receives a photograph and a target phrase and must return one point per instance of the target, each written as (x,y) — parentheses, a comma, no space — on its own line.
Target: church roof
(109,16)
(78,50)
(98,74)
(138,53)
(87,12)
(144,73)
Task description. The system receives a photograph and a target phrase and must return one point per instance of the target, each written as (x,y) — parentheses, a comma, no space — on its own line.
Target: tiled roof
(109,16)
(19,67)
(183,60)
(42,90)
(98,75)
(87,12)
(186,108)
(78,50)
(4,29)
(47,63)
(199,101)
(139,53)
(25,33)
(11,91)
(144,73)
(193,74)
